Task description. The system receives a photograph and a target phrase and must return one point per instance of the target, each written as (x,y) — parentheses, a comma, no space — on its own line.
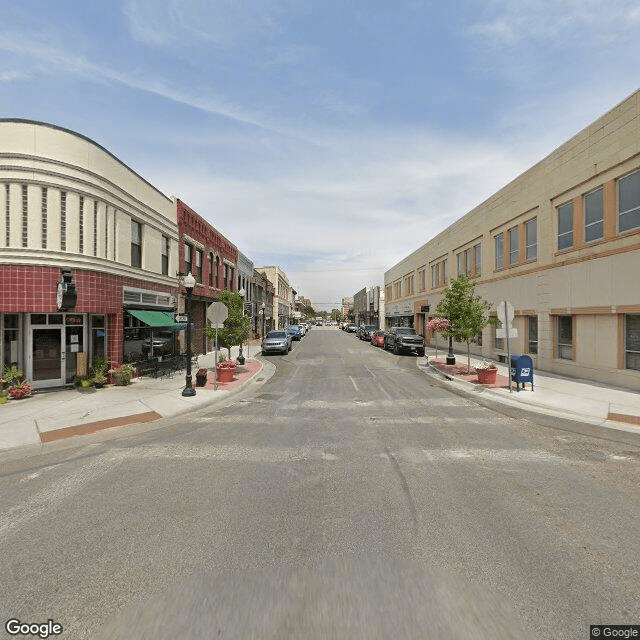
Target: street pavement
(55,415)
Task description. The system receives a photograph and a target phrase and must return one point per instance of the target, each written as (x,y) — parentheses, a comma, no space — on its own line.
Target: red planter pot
(487,376)
(225,373)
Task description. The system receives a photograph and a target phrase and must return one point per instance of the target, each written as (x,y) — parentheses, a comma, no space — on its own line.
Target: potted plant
(487,372)
(100,368)
(11,375)
(4,396)
(84,382)
(225,370)
(201,377)
(20,390)
(121,376)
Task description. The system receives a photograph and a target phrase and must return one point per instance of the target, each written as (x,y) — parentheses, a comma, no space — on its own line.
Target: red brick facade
(30,289)
(201,235)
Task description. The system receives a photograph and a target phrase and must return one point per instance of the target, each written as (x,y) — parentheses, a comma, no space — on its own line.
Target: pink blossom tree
(438,325)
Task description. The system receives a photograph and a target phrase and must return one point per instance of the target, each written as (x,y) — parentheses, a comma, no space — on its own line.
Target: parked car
(377,338)
(351,328)
(276,341)
(296,332)
(364,331)
(400,339)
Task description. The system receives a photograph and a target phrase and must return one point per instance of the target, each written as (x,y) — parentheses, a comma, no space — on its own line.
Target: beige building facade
(562,243)
(284,295)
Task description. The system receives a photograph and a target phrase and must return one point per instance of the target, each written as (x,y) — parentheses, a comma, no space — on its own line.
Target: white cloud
(222,23)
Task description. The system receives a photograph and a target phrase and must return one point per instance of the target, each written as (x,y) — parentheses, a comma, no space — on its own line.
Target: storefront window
(98,338)
(10,340)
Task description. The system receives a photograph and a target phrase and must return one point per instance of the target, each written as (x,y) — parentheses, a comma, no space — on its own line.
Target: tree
(436,326)
(466,312)
(236,327)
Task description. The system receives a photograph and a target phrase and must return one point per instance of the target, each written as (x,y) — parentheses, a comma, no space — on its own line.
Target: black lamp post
(240,358)
(451,359)
(189,282)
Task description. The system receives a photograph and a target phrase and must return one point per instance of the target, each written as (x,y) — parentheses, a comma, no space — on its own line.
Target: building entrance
(56,341)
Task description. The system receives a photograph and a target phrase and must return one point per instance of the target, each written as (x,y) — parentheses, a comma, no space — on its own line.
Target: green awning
(154,318)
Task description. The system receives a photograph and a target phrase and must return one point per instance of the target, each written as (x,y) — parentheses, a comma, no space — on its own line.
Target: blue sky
(330,138)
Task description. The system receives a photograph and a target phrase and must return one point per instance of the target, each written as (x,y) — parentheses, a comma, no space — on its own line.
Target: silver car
(276,342)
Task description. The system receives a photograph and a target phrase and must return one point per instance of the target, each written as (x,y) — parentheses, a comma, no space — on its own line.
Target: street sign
(217,313)
(180,317)
(505,312)
(502,333)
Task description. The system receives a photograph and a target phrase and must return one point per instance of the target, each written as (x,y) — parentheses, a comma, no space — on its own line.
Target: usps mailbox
(521,370)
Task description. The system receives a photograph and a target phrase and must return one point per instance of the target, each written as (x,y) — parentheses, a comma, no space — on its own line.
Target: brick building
(87,248)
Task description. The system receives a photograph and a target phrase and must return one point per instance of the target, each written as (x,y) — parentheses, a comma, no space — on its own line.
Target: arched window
(217,272)
(211,269)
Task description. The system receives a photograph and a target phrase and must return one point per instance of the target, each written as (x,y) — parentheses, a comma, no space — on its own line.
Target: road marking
(353,382)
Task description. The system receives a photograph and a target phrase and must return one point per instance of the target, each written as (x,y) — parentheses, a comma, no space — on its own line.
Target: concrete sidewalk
(565,398)
(49,416)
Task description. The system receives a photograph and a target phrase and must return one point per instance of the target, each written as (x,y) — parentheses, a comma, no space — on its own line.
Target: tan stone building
(284,294)
(562,243)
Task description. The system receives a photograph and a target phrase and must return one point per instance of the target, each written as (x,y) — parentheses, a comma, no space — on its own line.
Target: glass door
(47,357)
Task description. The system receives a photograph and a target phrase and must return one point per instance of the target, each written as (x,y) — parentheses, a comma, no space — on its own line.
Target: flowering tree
(438,325)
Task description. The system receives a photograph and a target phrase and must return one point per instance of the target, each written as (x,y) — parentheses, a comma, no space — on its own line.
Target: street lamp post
(189,282)
(240,358)
(451,359)
(264,318)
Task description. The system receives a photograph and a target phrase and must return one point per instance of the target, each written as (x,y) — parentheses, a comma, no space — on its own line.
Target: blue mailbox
(521,370)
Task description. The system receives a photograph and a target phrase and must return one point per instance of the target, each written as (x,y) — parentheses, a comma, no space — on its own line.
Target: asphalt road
(350,496)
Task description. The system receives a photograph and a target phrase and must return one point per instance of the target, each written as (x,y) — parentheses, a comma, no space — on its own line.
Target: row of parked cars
(281,340)
(396,339)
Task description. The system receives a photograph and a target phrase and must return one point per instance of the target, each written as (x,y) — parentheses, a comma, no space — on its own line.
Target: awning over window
(155,318)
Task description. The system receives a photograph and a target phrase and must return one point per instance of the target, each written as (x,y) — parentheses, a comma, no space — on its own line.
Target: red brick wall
(32,289)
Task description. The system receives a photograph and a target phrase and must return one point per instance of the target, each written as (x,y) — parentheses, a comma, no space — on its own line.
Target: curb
(484,396)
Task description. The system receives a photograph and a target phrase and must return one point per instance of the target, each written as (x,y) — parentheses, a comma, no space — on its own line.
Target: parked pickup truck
(400,339)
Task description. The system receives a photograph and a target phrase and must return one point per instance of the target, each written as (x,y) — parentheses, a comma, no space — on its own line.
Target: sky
(331,138)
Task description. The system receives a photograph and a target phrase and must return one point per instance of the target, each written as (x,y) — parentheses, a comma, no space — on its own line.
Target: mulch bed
(460,372)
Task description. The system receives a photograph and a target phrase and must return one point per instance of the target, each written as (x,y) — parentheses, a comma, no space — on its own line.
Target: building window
(468,262)
(25,216)
(434,276)
(136,244)
(565,337)
(422,277)
(81,230)
(477,249)
(632,342)
(532,334)
(408,282)
(498,343)
(198,273)
(388,293)
(565,226)
(165,256)
(499,241)
(629,202)
(43,225)
(188,267)
(593,216)
(531,239)
(63,221)
(211,267)
(217,272)
(514,255)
